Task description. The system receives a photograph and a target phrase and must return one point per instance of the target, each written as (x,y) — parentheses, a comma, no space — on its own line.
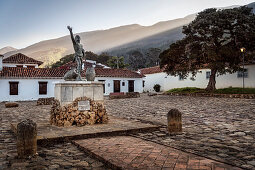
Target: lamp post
(242,51)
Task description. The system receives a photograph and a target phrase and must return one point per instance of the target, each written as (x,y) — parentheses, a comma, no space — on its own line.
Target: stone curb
(242,96)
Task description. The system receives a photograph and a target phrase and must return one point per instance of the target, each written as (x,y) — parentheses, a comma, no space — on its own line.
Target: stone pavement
(217,128)
(125,152)
(59,156)
(55,155)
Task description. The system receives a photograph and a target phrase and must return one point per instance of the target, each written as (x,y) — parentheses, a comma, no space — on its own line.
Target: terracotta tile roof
(109,72)
(20,58)
(151,70)
(16,72)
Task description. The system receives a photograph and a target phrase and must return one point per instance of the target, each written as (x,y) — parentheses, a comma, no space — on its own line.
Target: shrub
(157,87)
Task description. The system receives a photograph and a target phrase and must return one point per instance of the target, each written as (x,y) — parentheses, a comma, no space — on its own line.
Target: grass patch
(230,90)
(186,90)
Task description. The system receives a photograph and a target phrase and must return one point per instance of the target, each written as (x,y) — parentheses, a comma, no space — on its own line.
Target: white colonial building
(155,75)
(21,79)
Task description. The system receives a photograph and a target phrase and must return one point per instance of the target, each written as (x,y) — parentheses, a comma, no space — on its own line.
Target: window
(208,74)
(14,88)
(240,73)
(43,87)
(181,78)
(19,66)
(123,83)
(30,66)
(103,84)
(143,83)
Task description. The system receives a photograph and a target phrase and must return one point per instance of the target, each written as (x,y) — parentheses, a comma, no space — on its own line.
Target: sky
(25,22)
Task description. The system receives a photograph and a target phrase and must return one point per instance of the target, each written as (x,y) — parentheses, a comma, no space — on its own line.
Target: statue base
(66,92)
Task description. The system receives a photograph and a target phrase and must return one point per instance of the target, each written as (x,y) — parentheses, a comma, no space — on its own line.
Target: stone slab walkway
(115,126)
(126,152)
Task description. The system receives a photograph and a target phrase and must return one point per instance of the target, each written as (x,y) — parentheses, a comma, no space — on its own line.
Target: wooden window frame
(11,90)
(43,91)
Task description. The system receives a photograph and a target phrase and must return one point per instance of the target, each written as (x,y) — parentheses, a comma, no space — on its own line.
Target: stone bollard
(26,138)
(174,121)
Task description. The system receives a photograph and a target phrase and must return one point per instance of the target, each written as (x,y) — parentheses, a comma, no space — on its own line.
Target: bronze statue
(79,52)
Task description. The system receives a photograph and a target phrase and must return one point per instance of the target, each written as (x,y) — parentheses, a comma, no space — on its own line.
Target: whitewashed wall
(138,84)
(28,89)
(223,81)
(152,79)
(15,65)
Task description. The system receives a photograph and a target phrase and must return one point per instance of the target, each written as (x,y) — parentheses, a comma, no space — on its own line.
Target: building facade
(19,82)
(155,75)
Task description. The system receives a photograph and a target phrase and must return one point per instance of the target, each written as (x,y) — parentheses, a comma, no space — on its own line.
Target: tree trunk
(212,81)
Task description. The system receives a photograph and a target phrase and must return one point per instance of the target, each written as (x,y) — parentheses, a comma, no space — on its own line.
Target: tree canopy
(213,40)
(117,62)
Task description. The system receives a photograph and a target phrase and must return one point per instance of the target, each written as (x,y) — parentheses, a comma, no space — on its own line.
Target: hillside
(116,41)
(7,49)
(50,51)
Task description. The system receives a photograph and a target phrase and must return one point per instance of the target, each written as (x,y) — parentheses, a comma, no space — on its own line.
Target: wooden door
(130,85)
(116,87)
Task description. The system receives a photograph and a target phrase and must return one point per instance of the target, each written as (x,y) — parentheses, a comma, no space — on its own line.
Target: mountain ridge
(109,40)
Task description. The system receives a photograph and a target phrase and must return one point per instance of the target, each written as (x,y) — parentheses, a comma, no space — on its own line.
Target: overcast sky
(24,22)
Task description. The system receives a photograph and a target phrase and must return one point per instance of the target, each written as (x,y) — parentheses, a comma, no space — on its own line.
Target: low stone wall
(243,96)
(124,95)
(69,114)
(45,101)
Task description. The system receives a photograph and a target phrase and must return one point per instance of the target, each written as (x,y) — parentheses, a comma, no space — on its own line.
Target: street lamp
(243,51)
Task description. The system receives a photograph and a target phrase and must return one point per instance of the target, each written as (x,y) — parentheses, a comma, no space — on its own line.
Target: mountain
(50,51)
(117,40)
(7,49)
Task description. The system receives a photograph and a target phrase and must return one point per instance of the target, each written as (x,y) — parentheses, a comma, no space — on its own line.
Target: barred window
(208,74)
(240,73)
(14,88)
(43,87)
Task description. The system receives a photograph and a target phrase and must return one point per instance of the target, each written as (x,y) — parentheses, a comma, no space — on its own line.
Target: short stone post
(174,121)
(26,138)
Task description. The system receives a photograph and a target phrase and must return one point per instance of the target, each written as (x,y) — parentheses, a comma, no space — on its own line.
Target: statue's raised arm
(71,33)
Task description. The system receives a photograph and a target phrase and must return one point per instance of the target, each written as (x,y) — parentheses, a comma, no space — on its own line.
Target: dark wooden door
(116,87)
(131,86)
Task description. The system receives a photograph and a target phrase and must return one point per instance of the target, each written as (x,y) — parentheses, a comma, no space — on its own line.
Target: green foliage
(230,90)
(185,90)
(102,58)
(63,61)
(213,40)
(156,87)
(136,60)
(116,62)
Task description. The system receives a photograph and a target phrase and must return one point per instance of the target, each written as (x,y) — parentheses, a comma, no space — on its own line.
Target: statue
(79,54)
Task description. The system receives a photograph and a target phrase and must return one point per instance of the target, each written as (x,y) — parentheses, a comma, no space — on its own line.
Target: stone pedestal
(66,92)
(174,121)
(26,138)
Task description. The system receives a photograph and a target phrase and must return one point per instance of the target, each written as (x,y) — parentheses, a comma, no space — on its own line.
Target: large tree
(117,62)
(213,40)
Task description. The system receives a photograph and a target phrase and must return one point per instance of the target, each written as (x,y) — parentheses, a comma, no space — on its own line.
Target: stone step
(52,134)
(126,152)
